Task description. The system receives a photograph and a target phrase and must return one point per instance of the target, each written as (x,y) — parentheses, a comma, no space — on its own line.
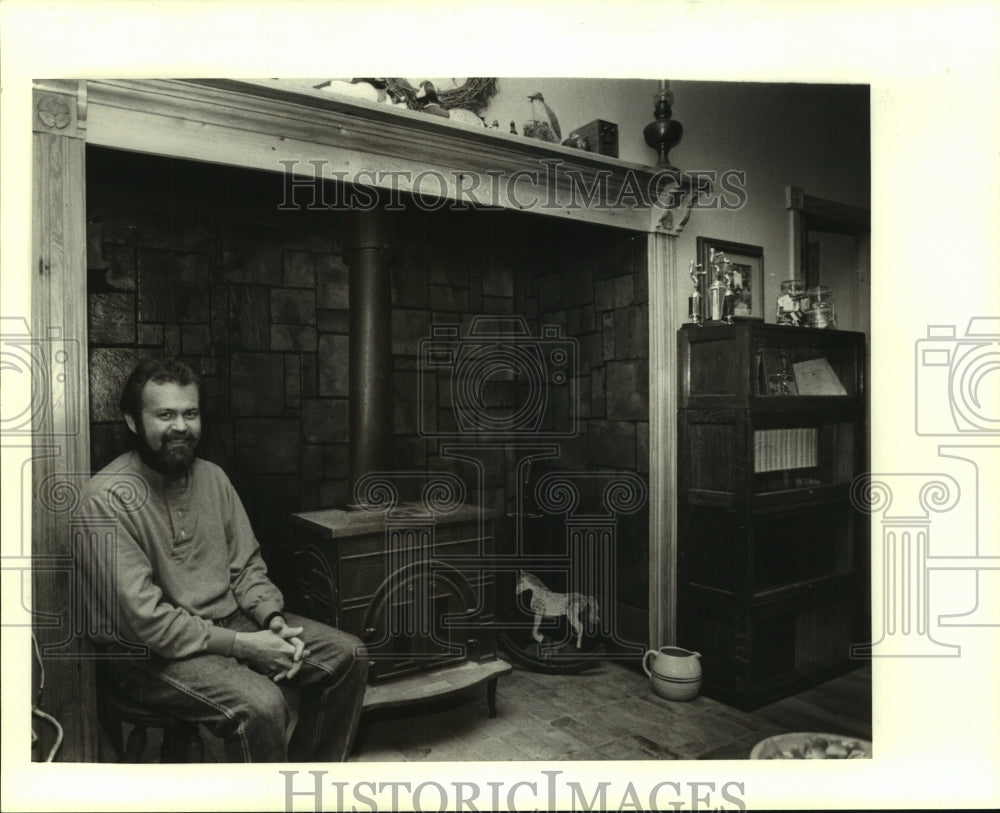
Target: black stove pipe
(370,373)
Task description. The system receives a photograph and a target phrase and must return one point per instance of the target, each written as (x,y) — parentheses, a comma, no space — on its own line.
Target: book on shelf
(817,377)
(784,449)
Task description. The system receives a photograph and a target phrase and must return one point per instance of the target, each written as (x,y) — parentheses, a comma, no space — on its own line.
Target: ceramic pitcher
(675,673)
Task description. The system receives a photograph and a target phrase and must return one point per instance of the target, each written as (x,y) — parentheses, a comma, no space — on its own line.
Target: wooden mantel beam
(279,128)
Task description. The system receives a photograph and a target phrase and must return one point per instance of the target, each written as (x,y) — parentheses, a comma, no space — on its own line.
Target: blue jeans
(247,710)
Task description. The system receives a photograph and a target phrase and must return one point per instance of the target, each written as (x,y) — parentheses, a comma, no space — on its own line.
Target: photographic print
(358,452)
(741,268)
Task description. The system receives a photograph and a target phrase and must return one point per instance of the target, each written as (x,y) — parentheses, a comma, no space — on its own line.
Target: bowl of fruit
(802,745)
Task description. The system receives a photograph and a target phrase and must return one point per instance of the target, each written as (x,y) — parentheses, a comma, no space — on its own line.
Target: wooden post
(58,329)
(795,203)
(664,321)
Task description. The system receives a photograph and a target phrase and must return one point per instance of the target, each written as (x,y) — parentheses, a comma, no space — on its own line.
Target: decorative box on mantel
(416,586)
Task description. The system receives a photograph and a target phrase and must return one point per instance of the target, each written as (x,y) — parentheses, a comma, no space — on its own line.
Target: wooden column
(61,453)
(665,316)
(795,202)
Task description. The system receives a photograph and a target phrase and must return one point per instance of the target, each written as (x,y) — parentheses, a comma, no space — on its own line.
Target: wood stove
(415,584)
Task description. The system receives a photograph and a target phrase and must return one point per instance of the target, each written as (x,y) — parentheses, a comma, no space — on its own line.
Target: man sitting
(187,580)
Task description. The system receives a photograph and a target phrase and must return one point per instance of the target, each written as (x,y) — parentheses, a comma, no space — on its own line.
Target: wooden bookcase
(772,557)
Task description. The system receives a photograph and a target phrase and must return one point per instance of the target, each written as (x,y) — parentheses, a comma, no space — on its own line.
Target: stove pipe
(370,372)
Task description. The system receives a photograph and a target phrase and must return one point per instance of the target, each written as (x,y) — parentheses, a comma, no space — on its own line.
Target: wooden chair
(181,738)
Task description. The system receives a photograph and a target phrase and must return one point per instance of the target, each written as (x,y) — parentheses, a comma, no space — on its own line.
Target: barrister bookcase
(772,557)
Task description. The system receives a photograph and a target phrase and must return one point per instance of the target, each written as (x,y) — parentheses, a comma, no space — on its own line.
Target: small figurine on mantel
(721,297)
(716,287)
(695,306)
(539,128)
(427,98)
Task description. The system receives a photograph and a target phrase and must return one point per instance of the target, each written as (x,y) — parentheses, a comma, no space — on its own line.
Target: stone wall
(202,264)
(595,288)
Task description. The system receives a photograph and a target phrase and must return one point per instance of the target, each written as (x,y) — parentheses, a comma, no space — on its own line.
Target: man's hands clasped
(277,651)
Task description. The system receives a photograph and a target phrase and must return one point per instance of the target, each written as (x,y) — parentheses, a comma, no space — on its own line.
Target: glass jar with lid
(792,303)
(821,313)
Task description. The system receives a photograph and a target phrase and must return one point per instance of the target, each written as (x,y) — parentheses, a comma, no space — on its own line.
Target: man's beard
(175,455)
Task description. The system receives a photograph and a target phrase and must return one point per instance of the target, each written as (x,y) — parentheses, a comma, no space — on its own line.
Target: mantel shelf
(282,127)
(432,127)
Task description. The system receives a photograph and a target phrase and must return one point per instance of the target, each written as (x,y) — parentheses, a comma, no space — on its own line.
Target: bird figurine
(541,129)
(428,100)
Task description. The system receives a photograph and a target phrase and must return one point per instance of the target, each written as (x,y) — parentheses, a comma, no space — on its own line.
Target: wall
(577,101)
(816,137)
(203,265)
(810,135)
(813,136)
(595,287)
(836,256)
(448,266)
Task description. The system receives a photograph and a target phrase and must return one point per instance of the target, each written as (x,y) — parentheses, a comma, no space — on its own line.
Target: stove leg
(491,697)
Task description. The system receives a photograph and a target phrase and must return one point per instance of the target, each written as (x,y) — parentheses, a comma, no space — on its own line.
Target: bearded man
(190,585)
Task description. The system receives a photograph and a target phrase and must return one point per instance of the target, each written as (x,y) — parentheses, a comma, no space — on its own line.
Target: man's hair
(159,371)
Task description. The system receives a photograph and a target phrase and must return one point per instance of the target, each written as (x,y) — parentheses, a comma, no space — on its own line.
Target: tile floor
(607,713)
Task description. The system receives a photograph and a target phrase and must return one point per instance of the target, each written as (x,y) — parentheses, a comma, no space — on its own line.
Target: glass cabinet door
(792,365)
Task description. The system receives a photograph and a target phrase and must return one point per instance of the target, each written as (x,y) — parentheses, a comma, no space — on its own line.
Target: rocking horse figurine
(545,603)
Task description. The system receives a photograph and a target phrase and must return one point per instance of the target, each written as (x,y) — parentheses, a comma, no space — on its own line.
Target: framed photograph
(747,270)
